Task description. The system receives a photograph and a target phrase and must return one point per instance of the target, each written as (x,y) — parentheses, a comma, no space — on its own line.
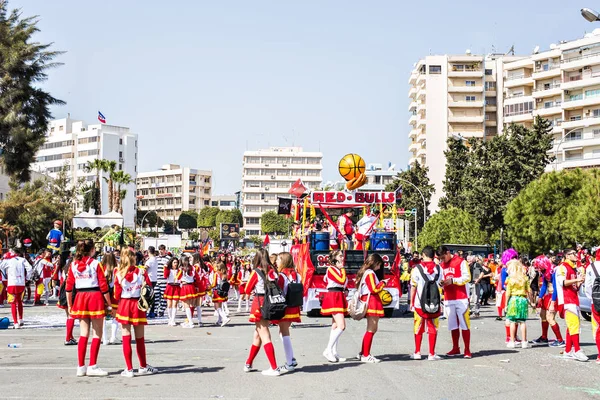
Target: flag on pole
(266,241)
(285,206)
(101,118)
(298,188)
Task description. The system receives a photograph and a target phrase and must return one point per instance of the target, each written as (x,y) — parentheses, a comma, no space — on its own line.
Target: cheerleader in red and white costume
(287,275)
(188,293)
(86,276)
(44,268)
(16,269)
(335,303)
(219,300)
(368,283)
(59,277)
(262,335)
(171,271)
(209,270)
(109,263)
(129,280)
(201,286)
(234,280)
(243,277)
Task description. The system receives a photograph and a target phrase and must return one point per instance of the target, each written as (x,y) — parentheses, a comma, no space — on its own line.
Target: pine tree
(457,163)
(24,107)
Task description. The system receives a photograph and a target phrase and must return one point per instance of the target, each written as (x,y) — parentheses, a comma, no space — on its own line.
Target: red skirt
(255,314)
(243,288)
(375,306)
(113,301)
(187,292)
(128,313)
(292,314)
(171,292)
(218,299)
(88,305)
(334,303)
(15,290)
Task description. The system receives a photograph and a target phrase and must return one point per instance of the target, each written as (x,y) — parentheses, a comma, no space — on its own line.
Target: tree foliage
(271,222)
(451,226)
(484,177)
(411,198)
(228,217)
(188,220)
(24,106)
(150,219)
(207,216)
(556,211)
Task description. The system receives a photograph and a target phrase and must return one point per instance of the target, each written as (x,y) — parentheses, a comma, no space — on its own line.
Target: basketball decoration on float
(386,297)
(352,168)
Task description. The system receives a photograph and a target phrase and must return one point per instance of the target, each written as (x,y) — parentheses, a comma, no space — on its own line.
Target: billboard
(230,231)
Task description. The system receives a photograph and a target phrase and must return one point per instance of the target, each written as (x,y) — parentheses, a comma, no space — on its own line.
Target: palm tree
(120,178)
(110,167)
(99,166)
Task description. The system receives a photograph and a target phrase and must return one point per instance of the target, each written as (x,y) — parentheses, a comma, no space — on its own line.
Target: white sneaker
(81,371)
(525,345)
(415,356)
(105,342)
(93,370)
(330,357)
(113,341)
(17,326)
(580,356)
(248,368)
(286,368)
(511,345)
(371,360)
(340,359)
(172,323)
(149,370)
(127,373)
(434,357)
(570,355)
(187,325)
(21,323)
(271,372)
(226,321)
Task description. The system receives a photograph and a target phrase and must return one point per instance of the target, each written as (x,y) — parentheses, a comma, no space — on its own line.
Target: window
(120,140)
(54,157)
(85,140)
(470,98)
(596,133)
(207,180)
(120,154)
(120,167)
(518,109)
(60,128)
(52,129)
(574,136)
(548,104)
(206,191)
(252,220)
(490,101)
(84,153)
(592,93)
(490,86)
(53,145)
(596,113)
(488,72)
(575,97)
(435,69)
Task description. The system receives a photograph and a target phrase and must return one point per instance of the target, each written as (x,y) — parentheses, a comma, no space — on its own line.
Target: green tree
(585,209)
(228,217)
(110,167)
(149,220)
(457,163)
(169,227)
(215,236)
(207,216)
(451,226)
(411,198)
(542,216)
(271,222)
(120,178)
(188,220)
(24,106)
(97,166)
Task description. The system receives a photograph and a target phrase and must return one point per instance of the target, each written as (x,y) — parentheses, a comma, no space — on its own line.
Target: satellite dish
(468,52)
(553,46)
(536,50)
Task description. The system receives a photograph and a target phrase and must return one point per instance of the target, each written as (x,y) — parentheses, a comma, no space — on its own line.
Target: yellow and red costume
(372,285)
(127,293)
(87,277)
(334,300)
(256,284)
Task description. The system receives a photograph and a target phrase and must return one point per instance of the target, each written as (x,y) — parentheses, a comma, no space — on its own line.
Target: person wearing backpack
(291,282)
(456,299)
(426,281)
(592,291)
(262,335)
(220,286)
(335,303)
(370,286)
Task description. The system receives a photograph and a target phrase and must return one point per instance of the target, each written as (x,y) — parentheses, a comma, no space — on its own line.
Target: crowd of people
(105,290)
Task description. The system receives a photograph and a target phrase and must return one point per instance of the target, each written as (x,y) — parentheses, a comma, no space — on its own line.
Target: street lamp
(422,197)
(590,14)
(561,141)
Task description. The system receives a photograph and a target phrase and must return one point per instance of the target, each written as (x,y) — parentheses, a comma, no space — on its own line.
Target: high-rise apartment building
(453,96)
(173,189)
(268,174)
(378,177)
(74,143)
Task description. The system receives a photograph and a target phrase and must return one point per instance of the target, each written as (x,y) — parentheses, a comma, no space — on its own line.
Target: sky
(200,81)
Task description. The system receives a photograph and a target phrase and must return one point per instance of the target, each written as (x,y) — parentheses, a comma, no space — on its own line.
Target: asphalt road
(207,363)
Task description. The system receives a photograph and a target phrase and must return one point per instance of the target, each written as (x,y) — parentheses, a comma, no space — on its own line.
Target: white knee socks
(247,305)
(114,325)
(239,304)
(188,314)
(334,336)
(289,351)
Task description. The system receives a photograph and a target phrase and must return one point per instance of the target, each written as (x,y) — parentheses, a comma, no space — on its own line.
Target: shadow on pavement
(184,369)
(493,352)
(161,341)
(310,369)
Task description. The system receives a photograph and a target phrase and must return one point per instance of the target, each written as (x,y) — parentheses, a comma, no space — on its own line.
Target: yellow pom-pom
(386,297)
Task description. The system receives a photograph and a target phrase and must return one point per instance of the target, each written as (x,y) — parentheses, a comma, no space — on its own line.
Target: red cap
(598,255)
(58,222)
(27,241)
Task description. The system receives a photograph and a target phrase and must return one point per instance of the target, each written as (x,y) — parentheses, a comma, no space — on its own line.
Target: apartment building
(562,85)
(74,143)
(173,189)
(453,96)
(268,174)
(225,202)
(379,177)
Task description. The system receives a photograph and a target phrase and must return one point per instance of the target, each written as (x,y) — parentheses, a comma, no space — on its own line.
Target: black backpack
(295,294)
(596,289)
(222,288)
(431,301)
(274,304)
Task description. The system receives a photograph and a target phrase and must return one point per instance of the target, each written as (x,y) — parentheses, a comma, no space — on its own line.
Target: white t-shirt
(152,268)
(416,280)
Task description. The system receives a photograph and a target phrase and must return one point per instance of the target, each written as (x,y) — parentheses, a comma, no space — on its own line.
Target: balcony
(580,81)
(547,90)
(517,98)
(465,89)
(585,161)
(518,117)
(548,108)
(421,121)
(413,78)
(412,120)
(421,79)
(422,152)
(580,123)
(581,61)
(422,136)
(580,101)
(413,133)
(412,92)
(518,80)
(465,104)
(548,72)
(412,106)
(414,146)
(465,73)
(466,119)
